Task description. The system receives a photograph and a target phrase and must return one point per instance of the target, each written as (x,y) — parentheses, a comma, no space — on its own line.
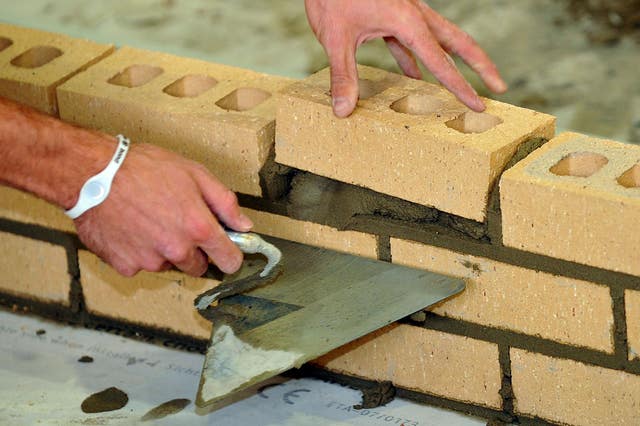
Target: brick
(353,242)
(408,138)
(34,62)
(570,392)
(510,297)
(34,269)
(424,360)
(23,207)
(162,300)
(577,198)
(220,116)
(632,308)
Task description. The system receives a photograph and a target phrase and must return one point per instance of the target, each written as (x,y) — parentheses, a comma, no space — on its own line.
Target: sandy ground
(541,49)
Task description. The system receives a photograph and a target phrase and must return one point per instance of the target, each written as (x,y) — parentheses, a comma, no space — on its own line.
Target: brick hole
(579,164)
(418,104)
(4,43)
(631,178)
(474,122)
(135,76)
(36,57)
(190,86)
(369,88)
(243,99)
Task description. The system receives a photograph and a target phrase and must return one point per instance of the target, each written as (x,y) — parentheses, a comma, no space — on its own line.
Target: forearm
(47,157)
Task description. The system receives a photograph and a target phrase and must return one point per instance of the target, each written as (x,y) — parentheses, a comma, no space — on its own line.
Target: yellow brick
(408,138)
(181,104)
(565,201)
(423,360)
(33,269)
(500,295)
(313,234)
(632,307)
(37,61)
(159,300)
(23,207)
(570,392)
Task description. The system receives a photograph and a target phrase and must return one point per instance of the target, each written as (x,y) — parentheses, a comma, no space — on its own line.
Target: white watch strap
(96,189)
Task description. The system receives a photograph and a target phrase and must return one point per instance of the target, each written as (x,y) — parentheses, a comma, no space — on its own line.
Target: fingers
(344,76)
(455,40)
(420,40)
(224,253)
(404,58)
(222,201)
(192,261)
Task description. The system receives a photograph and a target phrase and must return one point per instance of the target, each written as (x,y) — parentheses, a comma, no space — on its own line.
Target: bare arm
(411,29)
(162,210)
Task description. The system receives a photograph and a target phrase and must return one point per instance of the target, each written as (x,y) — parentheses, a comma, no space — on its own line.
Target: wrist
(96,189)
(88,155)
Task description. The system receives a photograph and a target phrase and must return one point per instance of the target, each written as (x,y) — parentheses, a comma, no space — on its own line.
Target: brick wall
(545,234)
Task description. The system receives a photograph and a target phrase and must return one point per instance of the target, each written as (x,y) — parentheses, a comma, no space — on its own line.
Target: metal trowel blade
(322,300)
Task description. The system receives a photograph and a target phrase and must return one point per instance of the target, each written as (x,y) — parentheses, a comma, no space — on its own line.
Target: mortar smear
(232,364)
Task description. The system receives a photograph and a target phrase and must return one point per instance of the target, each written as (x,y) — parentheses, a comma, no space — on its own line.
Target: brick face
(577,198)
(159,300)
(313,234)
(24,80)
(506,296)
(23,207)
(408,138)
(220,116)
(570,392)
(34,269)
(423,360)
(632,307)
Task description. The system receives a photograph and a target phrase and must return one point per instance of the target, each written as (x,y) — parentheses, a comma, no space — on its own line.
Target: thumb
(344,78)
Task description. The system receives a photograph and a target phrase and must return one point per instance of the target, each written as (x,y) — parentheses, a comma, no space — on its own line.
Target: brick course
(433,362)
(506,296)
(35,62)
(313,234)
(23,207)
(220,116)
(34,269)
(570,392)
(408,138)
(632,308)
(162,300)
(577,198)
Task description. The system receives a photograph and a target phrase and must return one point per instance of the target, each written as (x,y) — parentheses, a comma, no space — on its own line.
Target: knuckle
(199,229)
(153,264)
(126,270)
(176,252)
(229,199)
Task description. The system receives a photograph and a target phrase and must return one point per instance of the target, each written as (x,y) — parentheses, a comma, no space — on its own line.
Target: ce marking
(286,397)
(293,394)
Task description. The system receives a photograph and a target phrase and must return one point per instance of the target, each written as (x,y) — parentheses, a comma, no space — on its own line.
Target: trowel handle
(248,242)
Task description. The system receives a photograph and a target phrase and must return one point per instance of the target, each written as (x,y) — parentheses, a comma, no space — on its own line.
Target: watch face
(94,190)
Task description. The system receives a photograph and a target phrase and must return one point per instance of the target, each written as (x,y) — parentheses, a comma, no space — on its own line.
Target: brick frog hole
(243,99)
(190,86)
(34,57)
(4,43)
(579,164)
(135,76)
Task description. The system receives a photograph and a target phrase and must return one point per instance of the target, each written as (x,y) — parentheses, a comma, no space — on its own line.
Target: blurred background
(576,59)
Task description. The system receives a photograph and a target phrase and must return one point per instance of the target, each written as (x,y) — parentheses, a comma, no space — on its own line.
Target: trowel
(304,303)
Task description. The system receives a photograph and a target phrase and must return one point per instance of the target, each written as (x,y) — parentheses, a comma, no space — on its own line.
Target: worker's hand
(409,27)
(163,210)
